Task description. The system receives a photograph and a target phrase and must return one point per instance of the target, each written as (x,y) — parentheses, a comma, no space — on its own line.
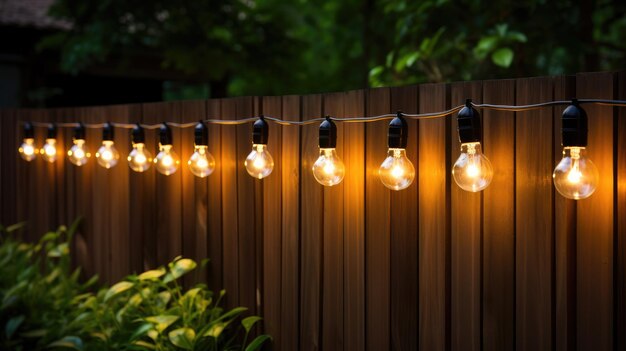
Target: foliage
(45,306)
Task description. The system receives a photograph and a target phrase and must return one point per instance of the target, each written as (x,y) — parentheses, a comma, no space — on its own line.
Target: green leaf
(183,338)
(60,250)
(143,329)
(485,46)
(117,289)
(502,57)
(179,268)
(37,333)
(249,322)
(161,322)
(15,227)
(12,325)
(258,342)
(144,344)
(215,330)
(153,274)
(72,342)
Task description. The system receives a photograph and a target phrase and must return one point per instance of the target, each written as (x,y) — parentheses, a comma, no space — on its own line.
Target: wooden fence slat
(465,236)
(434,225)
(620,270)
(333,243)
(595,222)
(148,179)
(312,219)
(377,228)
(533,216)
(499,220)
(290,166)
(214,201)
(404,236)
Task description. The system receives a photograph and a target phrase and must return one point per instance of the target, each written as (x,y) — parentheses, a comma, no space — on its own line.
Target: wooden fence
(356,266)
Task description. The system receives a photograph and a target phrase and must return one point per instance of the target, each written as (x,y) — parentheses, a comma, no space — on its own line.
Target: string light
(397,172)
(328,169)
(78,154)
(167,160)
(575,177)
(259,162)
(49,149)
(201,163)
(139,157)
(107,154)
(27,150)
(472,171)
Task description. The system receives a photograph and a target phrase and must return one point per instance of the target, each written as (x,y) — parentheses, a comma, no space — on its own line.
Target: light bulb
(78,154)
(166,160)
(396,172)
(328,169)
(472,171)
(107,154)
(139,158)
(49,150)
(259,162)
(201,163)
(575,177)
(27,150)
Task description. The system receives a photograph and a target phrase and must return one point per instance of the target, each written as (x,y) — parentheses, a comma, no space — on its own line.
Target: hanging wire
(365,119)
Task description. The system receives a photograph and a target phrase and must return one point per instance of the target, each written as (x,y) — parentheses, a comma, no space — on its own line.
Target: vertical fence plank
(312,219)
(214,201)
(499,220)
(148,196)
(12,135)
(137,206)
(272,226)
(354,224)
(377,226)
(290,310)
(333,243)
(620,270)
(404,236)
(434,227)
(595,222)
(466,238)
(565,235)
(533,216)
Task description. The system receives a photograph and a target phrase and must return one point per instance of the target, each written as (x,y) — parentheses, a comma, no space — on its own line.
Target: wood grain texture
(499,220)
(377,226)
(466,239)
(533,216)
(214,202)
(404,236)
(595,223)
(620,260)
(148,181)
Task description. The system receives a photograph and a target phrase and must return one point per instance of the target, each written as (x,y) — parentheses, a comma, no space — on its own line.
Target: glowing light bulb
(328,169)
(139,158)
(397,172)
(575,177)
(201,163)
(78,154)
(472,171)
(107,154)
(166,160)
(49,150)
(259,162)
(27,150)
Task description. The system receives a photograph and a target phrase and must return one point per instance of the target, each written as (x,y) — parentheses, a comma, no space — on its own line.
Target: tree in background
(279,47)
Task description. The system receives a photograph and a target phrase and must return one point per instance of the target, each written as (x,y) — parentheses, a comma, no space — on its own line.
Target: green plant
(45,306)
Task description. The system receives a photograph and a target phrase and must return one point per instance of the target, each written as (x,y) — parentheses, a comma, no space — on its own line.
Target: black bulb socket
(108,132)
(52,131)
(79,132)
(328,134)
(165,134)
(260,131)
(574,126)
(201,134)
(139,136)
(29,131)
(398,132)
(468,124)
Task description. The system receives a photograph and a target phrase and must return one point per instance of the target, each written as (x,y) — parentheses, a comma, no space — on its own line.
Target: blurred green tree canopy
(280,47)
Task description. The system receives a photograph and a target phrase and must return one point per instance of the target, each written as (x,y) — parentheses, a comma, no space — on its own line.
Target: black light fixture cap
(574,126)
(139,136)
(165,134)
(52,131)
(79,132)
(468,124)
(108,132)
(201,133)
(260,131)
(328,134)
(29,131)
(398,132)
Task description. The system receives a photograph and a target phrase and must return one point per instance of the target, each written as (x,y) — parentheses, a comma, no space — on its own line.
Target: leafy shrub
(45,306)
